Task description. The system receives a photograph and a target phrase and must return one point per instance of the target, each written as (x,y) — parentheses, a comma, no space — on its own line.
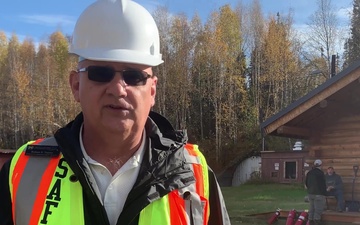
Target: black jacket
(315,182)
(162,170)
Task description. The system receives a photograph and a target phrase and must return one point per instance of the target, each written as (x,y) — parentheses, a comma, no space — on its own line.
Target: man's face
(330,171)
(113,106)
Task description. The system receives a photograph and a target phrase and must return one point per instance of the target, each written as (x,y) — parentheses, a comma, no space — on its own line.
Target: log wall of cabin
(338,145)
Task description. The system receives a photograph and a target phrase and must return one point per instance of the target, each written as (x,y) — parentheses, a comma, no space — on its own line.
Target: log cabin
(328,118)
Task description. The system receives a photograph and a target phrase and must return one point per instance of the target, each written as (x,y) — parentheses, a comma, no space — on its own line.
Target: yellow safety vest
(44,190)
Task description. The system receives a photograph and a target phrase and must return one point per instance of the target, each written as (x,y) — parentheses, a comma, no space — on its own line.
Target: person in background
(316,188)
(117,162)
(334,187)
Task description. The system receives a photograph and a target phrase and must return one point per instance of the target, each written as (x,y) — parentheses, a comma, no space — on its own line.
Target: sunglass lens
(101,73)
(134,77)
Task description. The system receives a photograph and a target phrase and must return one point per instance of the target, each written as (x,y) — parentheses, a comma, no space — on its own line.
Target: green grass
(258,198)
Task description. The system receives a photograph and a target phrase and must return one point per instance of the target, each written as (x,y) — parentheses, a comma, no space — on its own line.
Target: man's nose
(117,86)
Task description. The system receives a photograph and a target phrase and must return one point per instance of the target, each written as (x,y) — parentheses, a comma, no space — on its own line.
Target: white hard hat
(117,31)
(317,162)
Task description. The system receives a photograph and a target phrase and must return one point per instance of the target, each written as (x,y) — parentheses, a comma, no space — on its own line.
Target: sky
(37,19)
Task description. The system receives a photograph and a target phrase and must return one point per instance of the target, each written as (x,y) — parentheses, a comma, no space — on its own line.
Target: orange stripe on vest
(177,209)
(43,189)
(198,172)
(44,185)
(18,171)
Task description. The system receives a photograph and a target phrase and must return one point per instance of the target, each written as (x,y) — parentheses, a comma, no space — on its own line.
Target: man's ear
(75,84)
(153,90)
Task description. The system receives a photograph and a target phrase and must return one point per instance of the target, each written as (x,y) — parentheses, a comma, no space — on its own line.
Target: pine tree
(352,46)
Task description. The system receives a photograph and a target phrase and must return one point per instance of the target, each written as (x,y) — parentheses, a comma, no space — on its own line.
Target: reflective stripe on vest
(187,206)
(42,189)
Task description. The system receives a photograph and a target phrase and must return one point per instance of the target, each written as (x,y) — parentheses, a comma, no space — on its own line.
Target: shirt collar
(136,158)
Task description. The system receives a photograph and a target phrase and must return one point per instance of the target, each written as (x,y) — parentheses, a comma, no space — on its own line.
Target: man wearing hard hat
(116,162)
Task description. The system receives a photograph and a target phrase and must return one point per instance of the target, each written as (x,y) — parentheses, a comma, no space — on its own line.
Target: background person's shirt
(334,180)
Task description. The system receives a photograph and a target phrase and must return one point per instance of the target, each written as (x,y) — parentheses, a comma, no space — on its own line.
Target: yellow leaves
(278,58)
(3,42)
(22,80)
(58,50)
(3,49)
(35,87)
(275,67)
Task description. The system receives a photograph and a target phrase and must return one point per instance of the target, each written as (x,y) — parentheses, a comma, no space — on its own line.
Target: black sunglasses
(105,74)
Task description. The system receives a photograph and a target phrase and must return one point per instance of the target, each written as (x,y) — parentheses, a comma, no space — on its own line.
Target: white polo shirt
(113,190)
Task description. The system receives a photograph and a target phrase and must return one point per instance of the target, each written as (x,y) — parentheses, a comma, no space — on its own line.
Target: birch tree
(3,86)
(179,85)
(163,20)
(323,34)
(23,79)
(224,82)
(12,106)
(44,92)
(279,67)
(59,73)
(253,24)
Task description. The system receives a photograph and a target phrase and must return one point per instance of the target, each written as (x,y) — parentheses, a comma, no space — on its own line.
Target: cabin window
(290,170)
(274,174)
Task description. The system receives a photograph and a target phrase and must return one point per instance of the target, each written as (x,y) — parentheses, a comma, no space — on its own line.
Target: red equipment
(291,217)
(302,218)
(274,217)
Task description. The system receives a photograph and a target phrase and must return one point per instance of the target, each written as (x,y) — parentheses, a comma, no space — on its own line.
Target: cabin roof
(338,97)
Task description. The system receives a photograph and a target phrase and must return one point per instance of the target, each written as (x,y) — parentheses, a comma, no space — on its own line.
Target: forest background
(220,78)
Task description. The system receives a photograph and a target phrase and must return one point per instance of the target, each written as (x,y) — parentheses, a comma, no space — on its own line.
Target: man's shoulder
(316,170)
(313,172)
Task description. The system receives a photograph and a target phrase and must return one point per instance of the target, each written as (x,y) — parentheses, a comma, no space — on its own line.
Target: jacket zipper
(93,197)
